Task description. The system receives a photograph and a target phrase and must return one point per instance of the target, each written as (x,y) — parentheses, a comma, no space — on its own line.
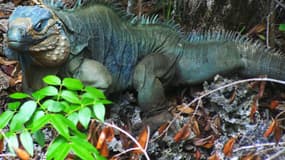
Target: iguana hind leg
(150,76)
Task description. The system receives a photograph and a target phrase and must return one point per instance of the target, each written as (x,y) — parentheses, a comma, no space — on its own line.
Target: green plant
(281,27)
(168,6)
(61,105)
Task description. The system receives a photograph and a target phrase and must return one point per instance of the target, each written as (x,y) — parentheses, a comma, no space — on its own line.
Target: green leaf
(83,142)
(72,126)
(39,137)
(96,93)
(25,113)
(38,115)
(86,100)
(262,37)
(27,142)
(5,117)
(72,84)
(73,117)
(13,142)
(53,147)
(99,111)
(37,96)
(16,123)
(40,123)
(53,106)
(84,116)
(72,108)
(60,126)
(282,27)
(48,91)
(26,110)
(65,106)
(105,101)
(88,149)
(14,105)
(58,150)
(70,97)
(81,152)
(52,80)
(19,95)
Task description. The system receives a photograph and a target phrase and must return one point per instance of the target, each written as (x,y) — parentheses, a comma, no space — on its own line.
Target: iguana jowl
(93,44)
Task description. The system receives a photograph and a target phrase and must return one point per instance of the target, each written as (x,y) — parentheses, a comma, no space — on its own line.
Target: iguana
(92,43)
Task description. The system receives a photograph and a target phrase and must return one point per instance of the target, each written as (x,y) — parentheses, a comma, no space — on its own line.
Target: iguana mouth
(16,44)
(20,44)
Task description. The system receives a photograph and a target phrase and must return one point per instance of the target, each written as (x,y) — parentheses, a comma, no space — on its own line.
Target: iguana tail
(235,51)
(260,60)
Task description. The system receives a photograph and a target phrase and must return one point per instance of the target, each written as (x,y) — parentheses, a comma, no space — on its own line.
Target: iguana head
(36,31)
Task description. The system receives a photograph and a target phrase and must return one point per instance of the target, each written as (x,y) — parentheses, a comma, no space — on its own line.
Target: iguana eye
(39,26)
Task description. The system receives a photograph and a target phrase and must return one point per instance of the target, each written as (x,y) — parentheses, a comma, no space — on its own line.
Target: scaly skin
(109,53)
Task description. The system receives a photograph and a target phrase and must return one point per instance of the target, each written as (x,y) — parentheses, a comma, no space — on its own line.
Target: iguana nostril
(16,33)
(16,36)
(22,31)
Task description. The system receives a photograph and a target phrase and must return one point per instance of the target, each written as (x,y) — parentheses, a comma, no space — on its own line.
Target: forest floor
(241,121)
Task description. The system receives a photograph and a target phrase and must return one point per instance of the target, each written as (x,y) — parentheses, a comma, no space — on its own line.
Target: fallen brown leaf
(216,124)
(261,89)
(277,132)
(70,156)
(142,139)
(1,144)
(207,142)
(125,141)
(195,128)
(114,158)
(7,62)
(214,157)
(17,2)
(198,155)
(93,132)
(106,135)
(233,96)
(104,151)
(257,29)
(253,108)
(270,129)
(22,154)
(274,104)
(250,156)
(162,128)
(111,134)
(102,138)
(182,134)
(228,147)
(184,109)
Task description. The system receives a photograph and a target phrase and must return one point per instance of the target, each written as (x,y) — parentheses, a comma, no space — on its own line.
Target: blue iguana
(92,43)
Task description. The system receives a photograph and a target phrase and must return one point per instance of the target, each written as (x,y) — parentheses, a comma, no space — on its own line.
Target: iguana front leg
(150,76)
(92,73)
